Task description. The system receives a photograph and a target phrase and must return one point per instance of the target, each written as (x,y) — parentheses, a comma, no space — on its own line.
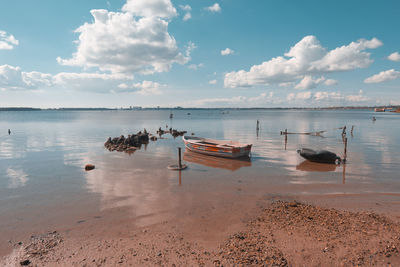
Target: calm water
(41,162)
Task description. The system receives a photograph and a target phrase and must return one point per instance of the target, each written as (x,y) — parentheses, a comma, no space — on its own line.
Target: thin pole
(285,138)
(345,148)
(180,163)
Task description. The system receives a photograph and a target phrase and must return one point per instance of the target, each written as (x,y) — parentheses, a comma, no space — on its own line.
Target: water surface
(43,182)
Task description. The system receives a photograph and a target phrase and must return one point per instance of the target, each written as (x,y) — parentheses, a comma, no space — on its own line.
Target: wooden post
(345,149)
(285,138)
(180,163)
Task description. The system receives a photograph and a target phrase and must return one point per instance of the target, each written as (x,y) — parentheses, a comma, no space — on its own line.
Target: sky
(199,53)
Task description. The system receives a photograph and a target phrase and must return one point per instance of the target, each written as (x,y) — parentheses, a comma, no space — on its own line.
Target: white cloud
(236,101)
(213,82)
(185,7)
(309,83)
(195,66)
(305,58)
(383,76)
(227,51)
(291,96)
(187,15)
(360,97)
(331,98)
(303,95)
(214,8)
(287,84)
(7,41)
(94,82)
(143,88)
(319,96)
(347,57)
(120,42)
(13,78)
(150,8)
(330,82)
(394,57)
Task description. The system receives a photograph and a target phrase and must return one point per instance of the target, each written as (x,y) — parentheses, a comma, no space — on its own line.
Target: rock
(89,167)
(153,138)
(25,262)
(108,141)
(127,144)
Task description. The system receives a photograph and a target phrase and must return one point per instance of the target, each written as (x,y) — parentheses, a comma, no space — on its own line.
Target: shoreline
(280,232)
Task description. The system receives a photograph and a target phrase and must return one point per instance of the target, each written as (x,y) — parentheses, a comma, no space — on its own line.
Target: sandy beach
(276,232)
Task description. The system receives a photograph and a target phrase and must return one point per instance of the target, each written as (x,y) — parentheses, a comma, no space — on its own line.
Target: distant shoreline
(181,108)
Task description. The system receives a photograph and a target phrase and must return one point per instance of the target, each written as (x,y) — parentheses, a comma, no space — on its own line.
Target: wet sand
(346,230)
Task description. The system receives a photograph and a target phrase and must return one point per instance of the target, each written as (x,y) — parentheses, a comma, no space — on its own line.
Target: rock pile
(130,143)
(175,133)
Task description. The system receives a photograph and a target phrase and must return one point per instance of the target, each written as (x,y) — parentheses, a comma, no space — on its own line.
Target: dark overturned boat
(321,156)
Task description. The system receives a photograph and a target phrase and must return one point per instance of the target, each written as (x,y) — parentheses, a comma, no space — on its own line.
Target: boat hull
(321,156)
(218,150)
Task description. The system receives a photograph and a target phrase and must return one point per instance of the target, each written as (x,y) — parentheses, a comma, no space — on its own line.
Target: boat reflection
(309,166)
(216,162)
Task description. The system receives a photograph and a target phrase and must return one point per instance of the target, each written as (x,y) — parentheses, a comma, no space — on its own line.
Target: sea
(43,183)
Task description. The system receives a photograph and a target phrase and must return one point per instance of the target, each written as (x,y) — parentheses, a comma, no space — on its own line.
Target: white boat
(219,148)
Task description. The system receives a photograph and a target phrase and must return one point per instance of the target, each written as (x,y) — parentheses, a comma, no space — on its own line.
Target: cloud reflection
(18,178)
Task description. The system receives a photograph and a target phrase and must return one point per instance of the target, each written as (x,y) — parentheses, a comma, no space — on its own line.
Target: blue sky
(226,53)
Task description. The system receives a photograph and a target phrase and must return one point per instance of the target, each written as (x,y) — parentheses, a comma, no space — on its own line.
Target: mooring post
(180,163)
(285,138)
(344,131)
(345,149)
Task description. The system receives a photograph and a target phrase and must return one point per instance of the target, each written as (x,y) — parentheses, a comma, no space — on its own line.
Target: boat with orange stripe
(219,148)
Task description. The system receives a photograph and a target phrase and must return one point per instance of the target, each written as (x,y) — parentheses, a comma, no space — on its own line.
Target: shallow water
(43,182)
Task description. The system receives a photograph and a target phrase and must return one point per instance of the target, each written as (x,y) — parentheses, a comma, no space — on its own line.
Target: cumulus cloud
(383,76)
(332,98)
(299,96)
(330,82)
(7,41)
(306,58)
(394,57)
(319,96)
(13,78)
(187,15)
(360,97)
(143,88)
(213,82)
(136,40)
(227,51)
(214,8)
(94,82)
(236,101)
(150,8)
(309,83)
